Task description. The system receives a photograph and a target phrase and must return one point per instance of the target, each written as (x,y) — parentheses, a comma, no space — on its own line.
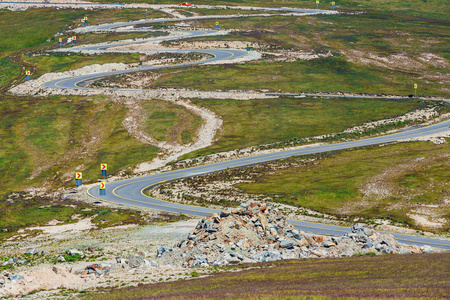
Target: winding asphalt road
(131,191)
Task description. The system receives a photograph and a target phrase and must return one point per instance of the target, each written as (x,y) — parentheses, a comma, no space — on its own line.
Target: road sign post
(217,25)
(103,168)
(415,90)
(78,178)
(102,189)
(74,39)
(28,75)
(333,4)
(317,4)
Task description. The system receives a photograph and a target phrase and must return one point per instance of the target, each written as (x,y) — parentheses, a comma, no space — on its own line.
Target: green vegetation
(256,122)
(169,122)
(25,30)
(328,74)
(60,62)
(45,140)
(35,29)
(8,71)
(364,59)
(423,8)
(393,276)
(23,210)
(391,181)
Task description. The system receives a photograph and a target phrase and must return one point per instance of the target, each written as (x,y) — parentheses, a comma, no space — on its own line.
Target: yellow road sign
(60,40)
(74,38)
(332,3)
(317,2)
(217,23)
(103,166)
(415,85)
(27,72)
(78,175)
(102,186)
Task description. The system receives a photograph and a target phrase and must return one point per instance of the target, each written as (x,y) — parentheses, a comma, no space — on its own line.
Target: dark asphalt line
(130,192)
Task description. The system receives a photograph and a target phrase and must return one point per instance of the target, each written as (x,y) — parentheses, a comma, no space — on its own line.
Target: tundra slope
(129,192)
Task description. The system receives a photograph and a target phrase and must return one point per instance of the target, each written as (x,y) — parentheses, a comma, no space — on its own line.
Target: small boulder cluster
(15,261)
(122,264)
(255,232)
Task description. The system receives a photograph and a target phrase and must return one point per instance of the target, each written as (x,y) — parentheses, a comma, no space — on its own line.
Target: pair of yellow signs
(79,175)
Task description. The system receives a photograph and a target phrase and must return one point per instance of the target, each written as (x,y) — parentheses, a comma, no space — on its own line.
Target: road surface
(131,191)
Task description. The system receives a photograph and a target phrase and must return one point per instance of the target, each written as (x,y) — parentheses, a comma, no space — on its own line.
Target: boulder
(32,251)
(426,249)
(287,244)
(369,244)
(135,261)
(15,277)
(73,252)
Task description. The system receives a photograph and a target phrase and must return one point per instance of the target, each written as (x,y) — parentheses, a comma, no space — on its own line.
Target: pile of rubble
(256,232)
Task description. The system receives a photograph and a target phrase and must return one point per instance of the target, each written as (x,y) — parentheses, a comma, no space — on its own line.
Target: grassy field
(256,122)
(22,210)
(60,62)
(374,183)
(17,212)
(389,276)
(412,7)
(35,29)
(327,74)
(45,140)
(400,44)
(168,122)
(25,30)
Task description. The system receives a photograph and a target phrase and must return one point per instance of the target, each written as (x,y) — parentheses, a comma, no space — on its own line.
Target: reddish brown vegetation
(397,276)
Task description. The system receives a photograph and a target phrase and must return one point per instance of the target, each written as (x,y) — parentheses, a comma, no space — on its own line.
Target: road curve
(131,191)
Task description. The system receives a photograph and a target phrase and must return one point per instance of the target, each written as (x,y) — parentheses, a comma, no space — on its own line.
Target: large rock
(287,244)
(258,232)
(135,261)
(73,252)
(32,251)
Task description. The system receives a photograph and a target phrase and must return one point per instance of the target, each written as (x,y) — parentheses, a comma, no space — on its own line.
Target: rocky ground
(63,261)
(257,232)
(62,264)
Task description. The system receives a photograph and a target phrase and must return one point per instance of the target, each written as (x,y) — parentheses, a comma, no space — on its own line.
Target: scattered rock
(426,249)
(15,277)
(98,269)
(32,251)
(257,232)
(135,261)
(73,252)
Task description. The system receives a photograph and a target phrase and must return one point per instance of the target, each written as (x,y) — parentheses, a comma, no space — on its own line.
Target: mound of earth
(256,232)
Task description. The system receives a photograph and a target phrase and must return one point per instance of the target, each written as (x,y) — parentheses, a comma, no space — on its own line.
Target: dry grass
(395,276)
